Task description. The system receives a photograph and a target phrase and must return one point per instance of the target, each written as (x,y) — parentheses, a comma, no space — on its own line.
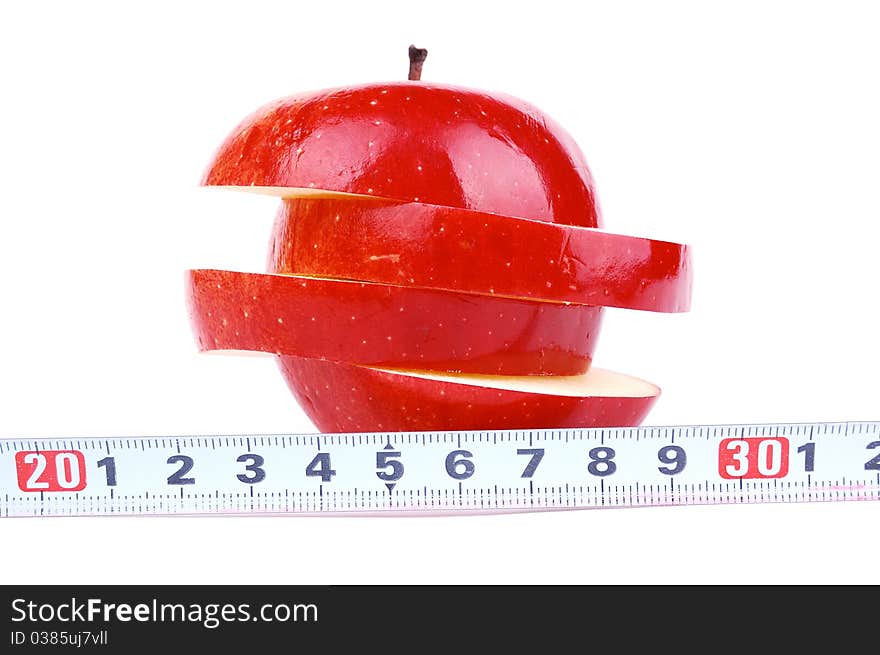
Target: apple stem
(417,57)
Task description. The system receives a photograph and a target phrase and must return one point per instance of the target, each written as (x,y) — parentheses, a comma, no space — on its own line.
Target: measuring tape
(448,472)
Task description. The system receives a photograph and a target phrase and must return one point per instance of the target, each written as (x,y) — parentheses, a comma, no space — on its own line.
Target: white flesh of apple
(294,192)
(595,382)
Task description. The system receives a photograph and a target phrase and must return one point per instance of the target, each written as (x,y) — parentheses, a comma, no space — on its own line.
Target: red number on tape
(754,457)
(51,470)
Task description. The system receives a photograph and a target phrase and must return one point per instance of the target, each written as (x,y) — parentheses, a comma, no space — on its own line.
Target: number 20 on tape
(51,470)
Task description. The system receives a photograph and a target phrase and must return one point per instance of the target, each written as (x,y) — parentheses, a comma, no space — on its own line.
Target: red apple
(414,244)
(418,142)
(492,159)
(345,398)
(387,325)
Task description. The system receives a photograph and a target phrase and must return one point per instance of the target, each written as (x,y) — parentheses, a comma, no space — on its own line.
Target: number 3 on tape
(755,457)
(51,470)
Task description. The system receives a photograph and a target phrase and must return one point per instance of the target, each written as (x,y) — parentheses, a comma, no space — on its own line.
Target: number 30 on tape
(758,457)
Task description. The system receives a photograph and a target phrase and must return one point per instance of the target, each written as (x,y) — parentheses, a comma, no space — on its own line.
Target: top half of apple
(416,142)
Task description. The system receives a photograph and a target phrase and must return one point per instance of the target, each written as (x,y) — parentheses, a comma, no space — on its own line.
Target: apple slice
(387,325)
(414,141)
(344,398)
(414,244)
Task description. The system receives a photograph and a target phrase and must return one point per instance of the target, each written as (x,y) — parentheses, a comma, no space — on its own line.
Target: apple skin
(418,142)
(386,325)
(344,398)
(414,244)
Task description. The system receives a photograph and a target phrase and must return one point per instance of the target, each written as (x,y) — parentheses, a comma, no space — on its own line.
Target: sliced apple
(345,398)
(388,325)
(414,244)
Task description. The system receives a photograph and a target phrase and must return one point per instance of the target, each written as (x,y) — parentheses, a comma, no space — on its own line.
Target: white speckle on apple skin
(280,320)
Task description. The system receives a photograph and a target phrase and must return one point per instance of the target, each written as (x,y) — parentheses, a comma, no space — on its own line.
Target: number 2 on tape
(753,457)
(51,470)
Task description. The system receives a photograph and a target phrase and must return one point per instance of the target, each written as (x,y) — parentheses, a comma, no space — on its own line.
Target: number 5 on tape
(754,457)
(51,470)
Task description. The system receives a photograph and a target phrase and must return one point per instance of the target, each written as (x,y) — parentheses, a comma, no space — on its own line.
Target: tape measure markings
(441,471)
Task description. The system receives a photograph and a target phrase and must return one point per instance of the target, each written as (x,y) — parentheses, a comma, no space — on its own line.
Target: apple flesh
(418,142)
(345,398)
(387,325)
(414,244)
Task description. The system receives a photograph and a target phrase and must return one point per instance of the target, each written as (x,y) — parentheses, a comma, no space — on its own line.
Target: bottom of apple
(346,398)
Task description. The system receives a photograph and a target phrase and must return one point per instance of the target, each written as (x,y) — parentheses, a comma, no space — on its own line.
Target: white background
(747,129)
